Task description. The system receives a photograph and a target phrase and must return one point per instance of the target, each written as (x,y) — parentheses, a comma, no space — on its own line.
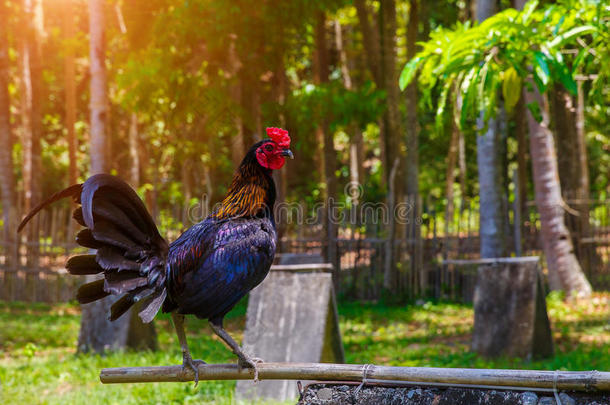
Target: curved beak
(287,153)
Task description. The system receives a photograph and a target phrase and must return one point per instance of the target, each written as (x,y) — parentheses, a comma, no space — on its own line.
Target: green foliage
(408,73)
(312,104)
(505,50)
(192,71)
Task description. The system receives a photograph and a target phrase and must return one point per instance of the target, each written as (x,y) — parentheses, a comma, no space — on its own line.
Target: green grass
(438,335)
(38,363)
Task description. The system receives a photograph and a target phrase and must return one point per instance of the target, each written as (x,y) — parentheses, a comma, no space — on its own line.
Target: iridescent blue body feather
(216,262)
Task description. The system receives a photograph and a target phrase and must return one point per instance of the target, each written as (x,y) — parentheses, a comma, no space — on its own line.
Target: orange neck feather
(251,194)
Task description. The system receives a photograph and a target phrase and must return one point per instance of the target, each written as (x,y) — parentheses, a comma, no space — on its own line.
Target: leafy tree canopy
(548,45)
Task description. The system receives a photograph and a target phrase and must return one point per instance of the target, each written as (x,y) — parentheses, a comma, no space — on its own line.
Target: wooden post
(292,317)
(298,258)
(510,317)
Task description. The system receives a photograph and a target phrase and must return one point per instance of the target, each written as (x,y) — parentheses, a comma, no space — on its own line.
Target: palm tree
(500,54)
(557,243)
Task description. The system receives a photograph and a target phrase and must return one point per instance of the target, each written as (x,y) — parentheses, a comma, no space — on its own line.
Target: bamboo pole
(560,380)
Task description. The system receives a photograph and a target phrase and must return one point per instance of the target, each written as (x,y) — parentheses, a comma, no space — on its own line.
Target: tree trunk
(147,171)
(99,102)
(485,9)
(347,78)
(356,157)
(31,115)
(520,117)
(583,160)
(568,117)
(70,86)
(583,182)
(393,140)
(564,270)
(393,144)
(279,93)
(412,161)
(412,166)
(7,178)
(321,72)
(370,38)
(237,141)
(493,210)
(70,98)
(493,224)
(519,4)
(462,164)
(97,333)
(464,12)
(356,144)
(372,44)
(563,109)
(186,171)
(389,272)
(134,156)
(452,157)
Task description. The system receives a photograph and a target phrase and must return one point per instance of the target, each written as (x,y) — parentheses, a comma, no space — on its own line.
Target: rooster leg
(243,359)
(187,360)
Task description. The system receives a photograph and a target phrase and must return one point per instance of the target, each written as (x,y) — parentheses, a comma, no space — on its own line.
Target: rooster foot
(250,362)
(187,361)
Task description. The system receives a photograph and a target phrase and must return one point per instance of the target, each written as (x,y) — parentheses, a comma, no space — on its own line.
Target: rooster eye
(268,148)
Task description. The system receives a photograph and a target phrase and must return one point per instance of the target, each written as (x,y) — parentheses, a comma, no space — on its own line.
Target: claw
(187,361)
(250,362)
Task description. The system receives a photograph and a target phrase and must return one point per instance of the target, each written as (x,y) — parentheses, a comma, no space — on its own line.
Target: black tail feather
(121,195)
(85,238)
(110,258)
(108,234)
(151,307)
(108,213)
(77,215)
(130,252)
(72,191)
(124,281)
(91,292)
(121,306)
(126,301)
(83,264)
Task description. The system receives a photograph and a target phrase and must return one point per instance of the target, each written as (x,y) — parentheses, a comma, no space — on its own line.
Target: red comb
(279,136)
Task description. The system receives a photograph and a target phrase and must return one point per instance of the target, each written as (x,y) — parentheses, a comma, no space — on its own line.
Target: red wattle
(273,162)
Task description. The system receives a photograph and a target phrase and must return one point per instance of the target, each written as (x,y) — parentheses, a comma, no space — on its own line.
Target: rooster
(205,272)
